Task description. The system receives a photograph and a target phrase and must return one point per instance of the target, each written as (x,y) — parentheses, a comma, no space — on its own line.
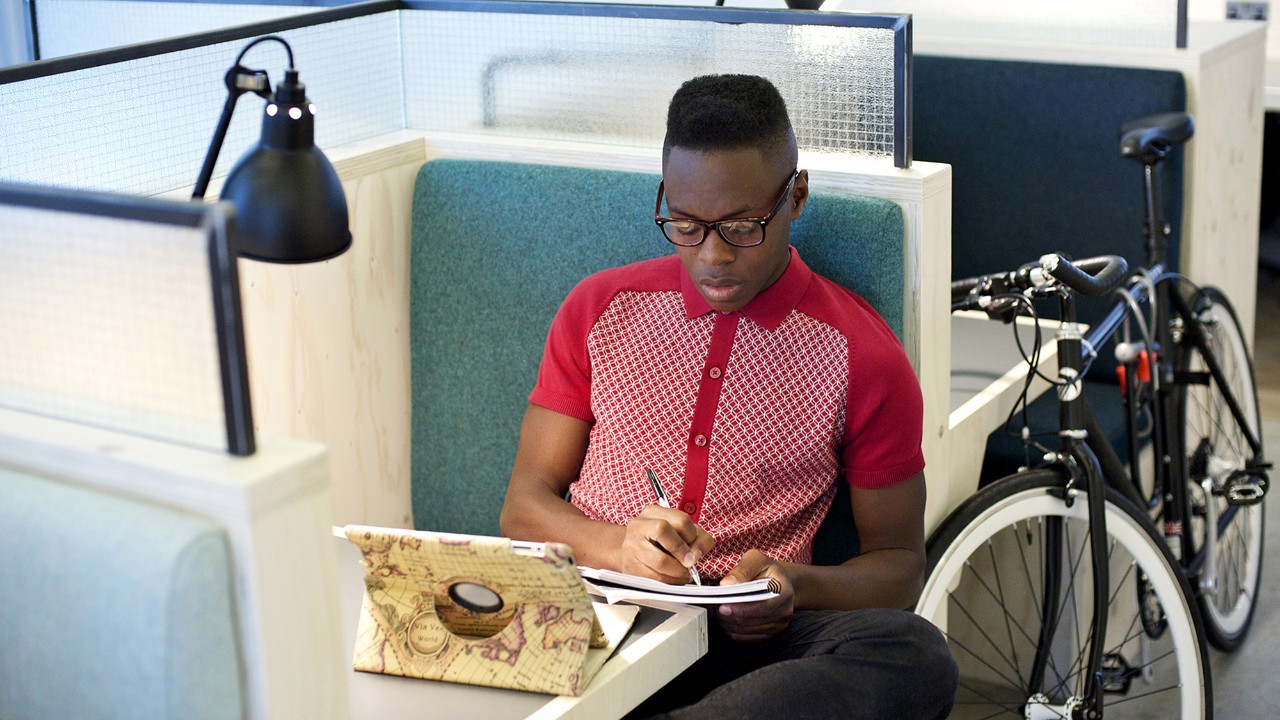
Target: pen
(664,502)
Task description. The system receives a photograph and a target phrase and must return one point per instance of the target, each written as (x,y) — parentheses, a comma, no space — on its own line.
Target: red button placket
(700,438)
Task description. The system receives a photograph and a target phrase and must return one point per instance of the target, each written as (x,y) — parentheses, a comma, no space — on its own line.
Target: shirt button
(688,507)
(700,441)
(714,373)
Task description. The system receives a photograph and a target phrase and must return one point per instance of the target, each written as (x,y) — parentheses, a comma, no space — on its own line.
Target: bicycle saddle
(1150,137)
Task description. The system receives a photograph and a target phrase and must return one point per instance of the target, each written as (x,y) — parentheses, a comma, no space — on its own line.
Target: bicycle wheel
(1227,587)
(993,591)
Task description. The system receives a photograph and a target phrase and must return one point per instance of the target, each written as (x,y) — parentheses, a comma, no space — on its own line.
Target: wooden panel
(1225,172)
(328,342)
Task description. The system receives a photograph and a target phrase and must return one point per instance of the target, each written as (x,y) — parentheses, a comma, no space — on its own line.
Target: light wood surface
(987,376)
(328,343)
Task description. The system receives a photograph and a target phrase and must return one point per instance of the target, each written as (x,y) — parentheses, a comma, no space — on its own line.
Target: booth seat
(1036,168)
(112,608)
(496,246)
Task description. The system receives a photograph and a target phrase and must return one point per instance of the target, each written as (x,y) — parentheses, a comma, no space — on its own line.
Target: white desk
(666,639)
(987,374)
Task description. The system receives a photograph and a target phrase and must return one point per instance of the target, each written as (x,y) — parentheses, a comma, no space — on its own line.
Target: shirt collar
(770,307)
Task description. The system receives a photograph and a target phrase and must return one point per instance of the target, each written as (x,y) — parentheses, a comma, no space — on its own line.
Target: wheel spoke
(992,597)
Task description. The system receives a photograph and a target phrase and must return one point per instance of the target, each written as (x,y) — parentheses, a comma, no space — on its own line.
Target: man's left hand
(753,621)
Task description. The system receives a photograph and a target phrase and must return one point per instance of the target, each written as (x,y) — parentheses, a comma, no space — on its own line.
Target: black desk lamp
(289,203)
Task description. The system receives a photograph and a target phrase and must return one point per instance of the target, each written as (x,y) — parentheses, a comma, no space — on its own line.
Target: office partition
(605,72)
(1113,23)
(138,119)
(70,27)
(123,313)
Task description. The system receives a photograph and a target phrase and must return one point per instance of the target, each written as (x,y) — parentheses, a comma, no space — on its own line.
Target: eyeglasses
(739,232)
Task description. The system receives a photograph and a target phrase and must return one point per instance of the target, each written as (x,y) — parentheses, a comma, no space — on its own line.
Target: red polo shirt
(748,417)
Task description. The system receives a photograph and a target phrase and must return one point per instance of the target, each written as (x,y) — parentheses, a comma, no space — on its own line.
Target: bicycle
(1084,586)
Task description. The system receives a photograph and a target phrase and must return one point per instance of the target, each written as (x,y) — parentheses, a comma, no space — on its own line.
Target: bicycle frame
(1171,459)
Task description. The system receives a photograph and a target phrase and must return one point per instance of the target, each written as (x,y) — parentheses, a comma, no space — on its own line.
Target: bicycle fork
(1084,471)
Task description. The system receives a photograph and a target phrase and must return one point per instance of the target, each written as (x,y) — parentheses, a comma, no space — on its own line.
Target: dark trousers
(882,664)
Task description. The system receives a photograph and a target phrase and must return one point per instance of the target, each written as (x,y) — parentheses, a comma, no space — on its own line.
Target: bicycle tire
(980,592)
(1216,446)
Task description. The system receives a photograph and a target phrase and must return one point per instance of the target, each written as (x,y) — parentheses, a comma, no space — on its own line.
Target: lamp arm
(239,80)
(215,146)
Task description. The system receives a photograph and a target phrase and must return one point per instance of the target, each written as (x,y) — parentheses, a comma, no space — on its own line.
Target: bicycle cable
(1033,362)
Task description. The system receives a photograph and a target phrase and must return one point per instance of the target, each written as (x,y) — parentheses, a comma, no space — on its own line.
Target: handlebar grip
(960,288)
(1092,276)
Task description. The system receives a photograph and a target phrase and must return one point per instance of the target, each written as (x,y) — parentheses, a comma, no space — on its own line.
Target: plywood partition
(328,342)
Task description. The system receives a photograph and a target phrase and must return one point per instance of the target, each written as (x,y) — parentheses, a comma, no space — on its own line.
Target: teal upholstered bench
(112,608)
(496,246)
(1036,167)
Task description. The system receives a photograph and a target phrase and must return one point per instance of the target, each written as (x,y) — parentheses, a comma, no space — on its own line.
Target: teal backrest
(112,608)
(496,246)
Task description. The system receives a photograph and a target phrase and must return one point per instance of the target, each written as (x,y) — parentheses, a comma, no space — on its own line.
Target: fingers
(763,619)
(750,567)
(749,622)
(663,544)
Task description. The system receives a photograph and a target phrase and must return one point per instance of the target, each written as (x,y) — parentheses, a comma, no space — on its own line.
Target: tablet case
(475,610)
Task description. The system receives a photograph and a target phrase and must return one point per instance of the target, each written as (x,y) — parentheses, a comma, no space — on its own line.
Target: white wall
(14,47)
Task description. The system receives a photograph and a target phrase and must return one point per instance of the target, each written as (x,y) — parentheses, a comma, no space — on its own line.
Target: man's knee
(925,669)
(938,671)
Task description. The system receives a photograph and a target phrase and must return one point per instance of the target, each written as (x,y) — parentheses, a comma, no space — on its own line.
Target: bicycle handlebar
(1092,277)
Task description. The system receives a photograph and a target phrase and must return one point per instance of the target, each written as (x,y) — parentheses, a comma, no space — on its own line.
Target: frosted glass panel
(609,79)
(68,27)
(1123,23)
(111,322)
(143,126)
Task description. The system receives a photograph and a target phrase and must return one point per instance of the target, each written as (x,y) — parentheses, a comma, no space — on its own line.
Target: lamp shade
(289,203)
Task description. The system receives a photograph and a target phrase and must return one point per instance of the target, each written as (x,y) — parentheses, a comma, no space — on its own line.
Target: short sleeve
(564,376)
(884,414)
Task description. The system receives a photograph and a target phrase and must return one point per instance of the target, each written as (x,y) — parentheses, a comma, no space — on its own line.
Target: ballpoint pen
(664,502)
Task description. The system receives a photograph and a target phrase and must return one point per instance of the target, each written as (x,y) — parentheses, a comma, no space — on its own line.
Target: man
(750,385)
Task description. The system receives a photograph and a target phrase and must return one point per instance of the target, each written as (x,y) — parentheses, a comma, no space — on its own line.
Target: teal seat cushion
(496,247)
(112,608)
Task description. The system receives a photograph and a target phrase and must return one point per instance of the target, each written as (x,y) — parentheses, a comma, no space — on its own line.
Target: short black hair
(728,112)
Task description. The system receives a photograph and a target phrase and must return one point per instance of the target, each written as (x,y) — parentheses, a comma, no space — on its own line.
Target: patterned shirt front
(748,417)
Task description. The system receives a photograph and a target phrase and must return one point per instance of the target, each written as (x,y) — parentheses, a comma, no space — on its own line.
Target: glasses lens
(742,233)
(683,232)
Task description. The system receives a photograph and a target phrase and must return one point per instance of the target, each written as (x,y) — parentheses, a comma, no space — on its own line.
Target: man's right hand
(662,544)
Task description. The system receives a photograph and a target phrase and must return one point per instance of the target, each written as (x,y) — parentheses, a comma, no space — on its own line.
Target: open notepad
(615,587)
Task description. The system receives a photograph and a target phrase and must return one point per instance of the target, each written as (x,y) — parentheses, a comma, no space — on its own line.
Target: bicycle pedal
(1246,487)
(1116,674)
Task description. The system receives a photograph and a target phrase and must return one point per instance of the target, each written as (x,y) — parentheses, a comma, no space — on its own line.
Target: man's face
(724,184)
